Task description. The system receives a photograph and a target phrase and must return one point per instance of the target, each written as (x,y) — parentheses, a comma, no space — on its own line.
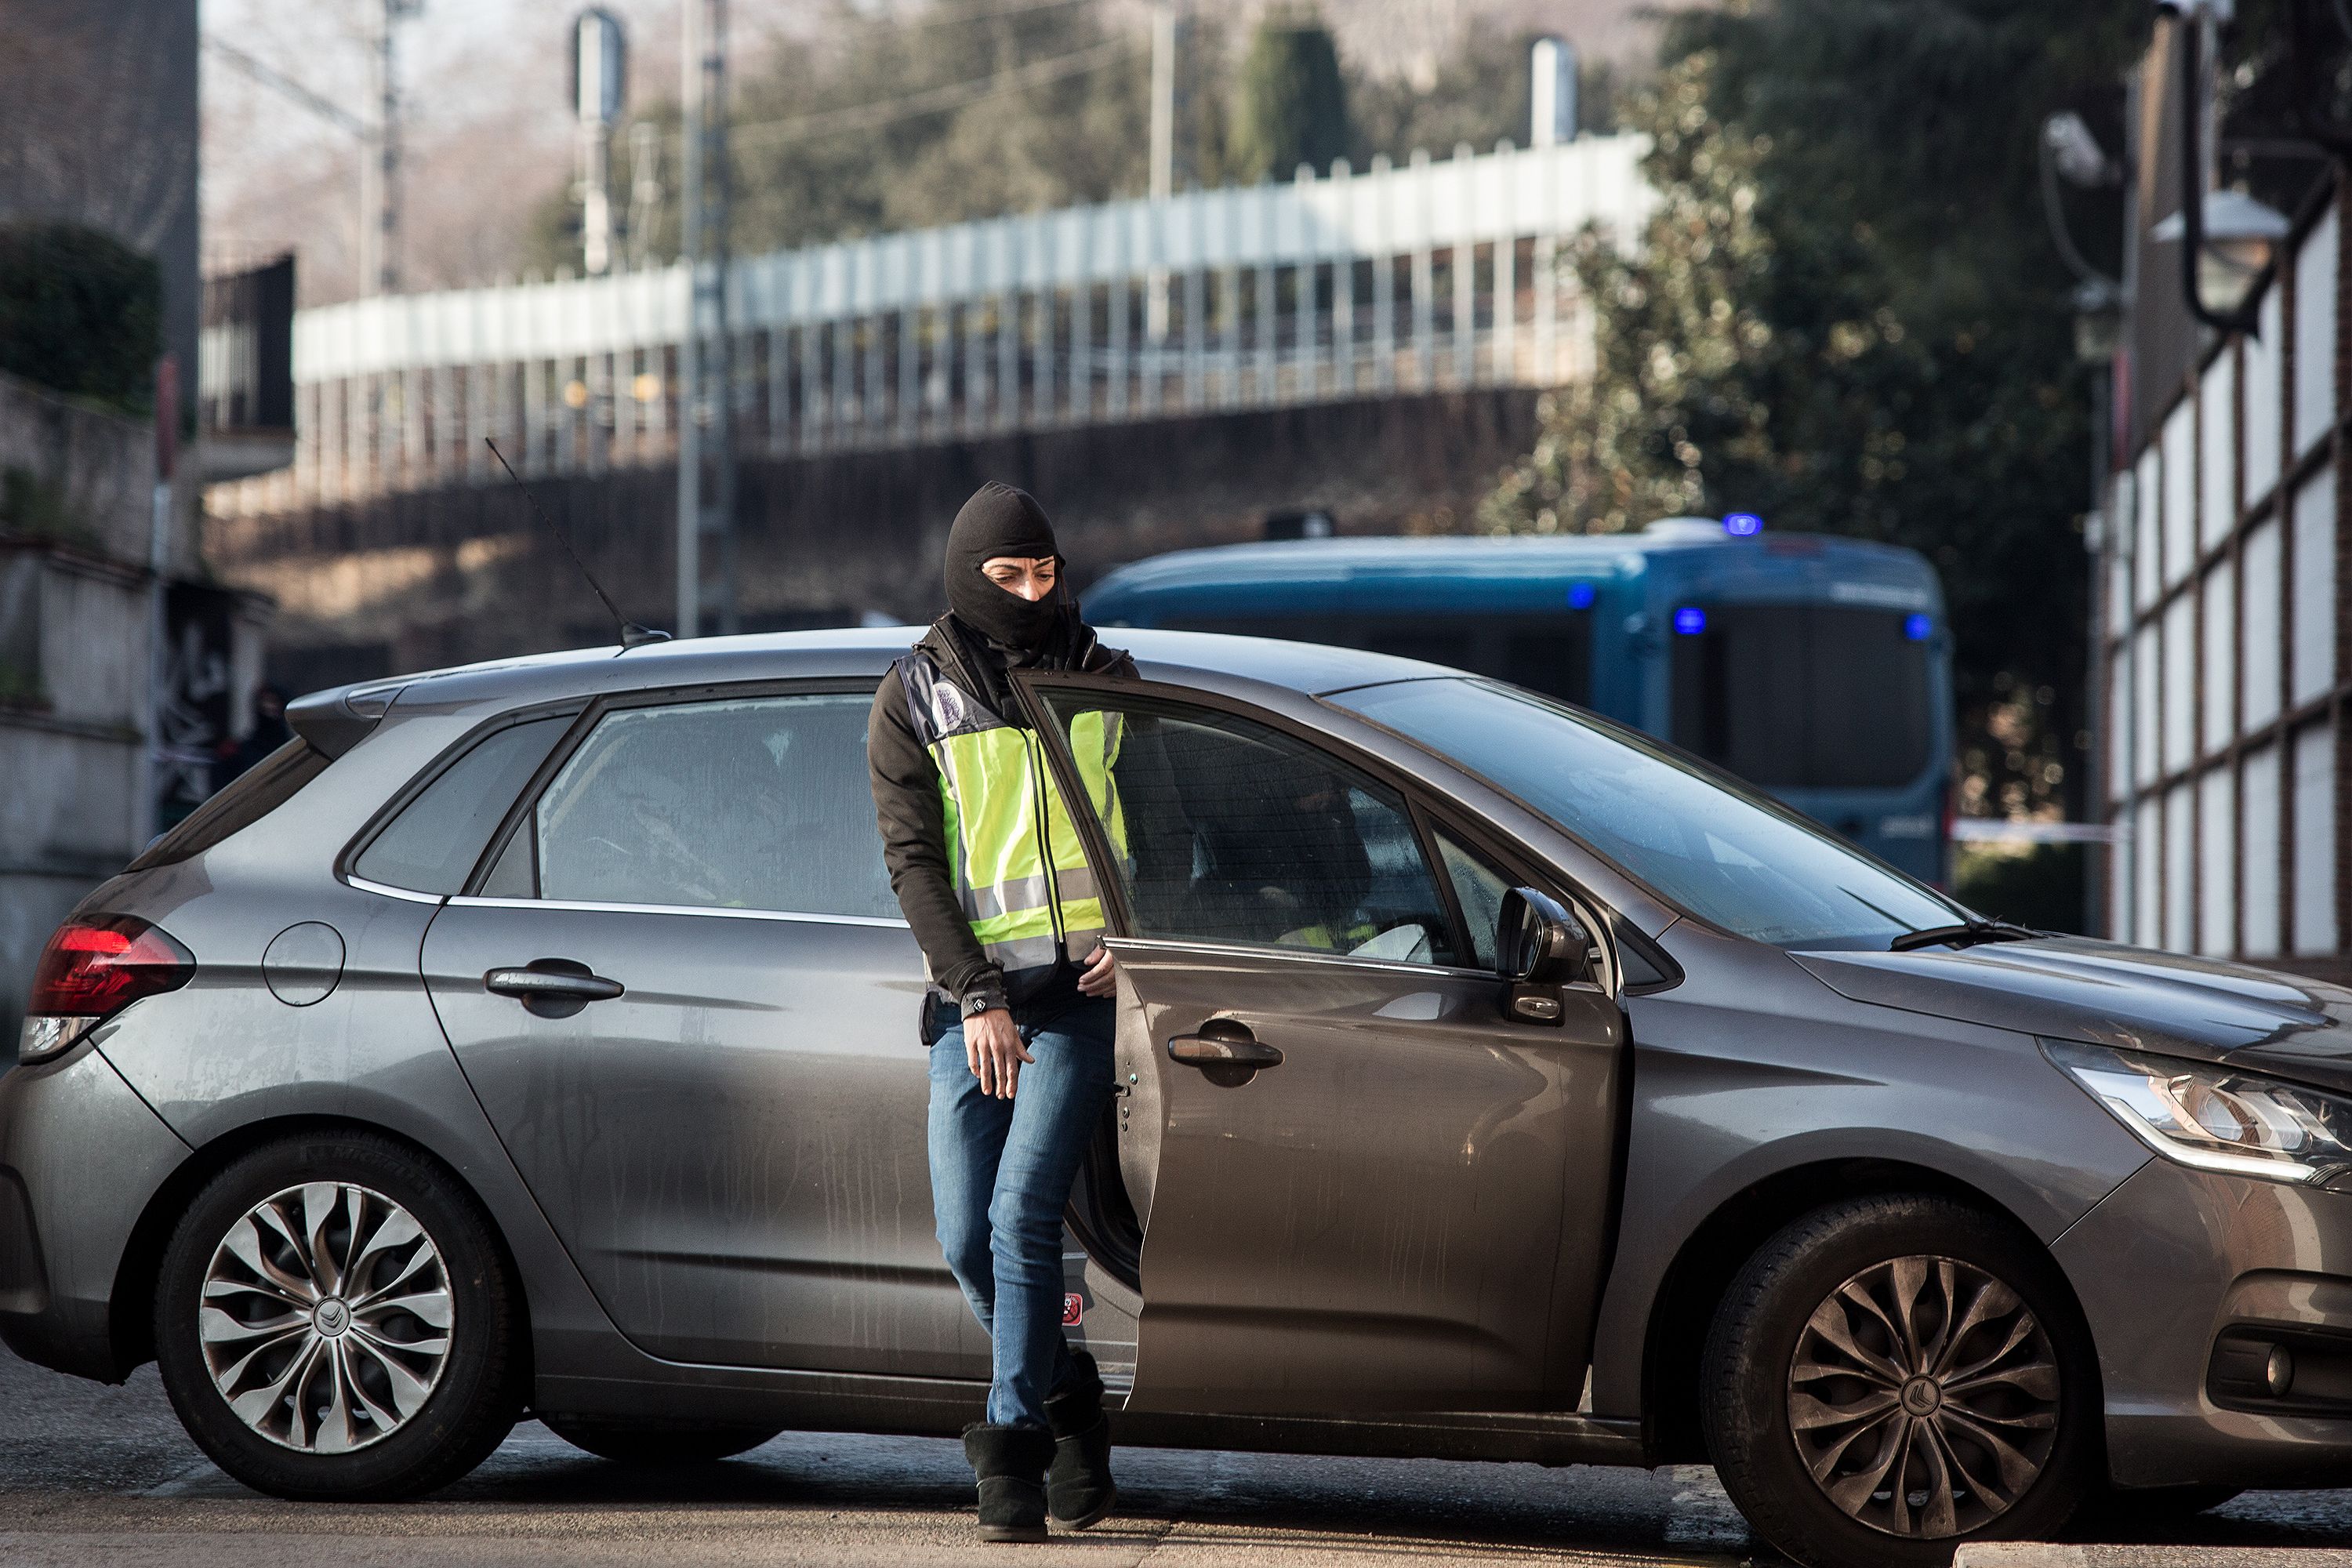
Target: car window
(749,803)
(1230,831)
(1719,851)
(432,844)
(1478,888)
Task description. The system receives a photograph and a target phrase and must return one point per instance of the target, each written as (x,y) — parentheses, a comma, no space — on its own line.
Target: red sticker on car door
(1074,1307)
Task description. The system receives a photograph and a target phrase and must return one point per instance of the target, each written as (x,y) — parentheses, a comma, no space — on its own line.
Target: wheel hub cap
(326,1317)
(1924,1396)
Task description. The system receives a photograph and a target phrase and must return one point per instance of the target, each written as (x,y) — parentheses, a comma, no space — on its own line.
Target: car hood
(2075,989)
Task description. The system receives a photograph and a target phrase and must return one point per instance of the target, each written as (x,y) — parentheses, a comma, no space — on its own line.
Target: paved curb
(2044,1554)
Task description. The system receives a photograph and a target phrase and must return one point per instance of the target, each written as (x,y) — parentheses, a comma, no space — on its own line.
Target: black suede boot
(1010,1462)
(1079,1489)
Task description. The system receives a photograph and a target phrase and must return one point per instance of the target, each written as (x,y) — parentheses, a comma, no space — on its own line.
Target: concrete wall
(75,602)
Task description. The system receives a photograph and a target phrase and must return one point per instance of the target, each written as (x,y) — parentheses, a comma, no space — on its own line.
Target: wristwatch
(978,1003)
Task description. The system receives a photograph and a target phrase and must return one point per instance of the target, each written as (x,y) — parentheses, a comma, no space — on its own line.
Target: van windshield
(1550,653)
(1718,850)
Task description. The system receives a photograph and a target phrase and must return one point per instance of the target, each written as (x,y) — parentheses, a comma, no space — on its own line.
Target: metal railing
(1435,275)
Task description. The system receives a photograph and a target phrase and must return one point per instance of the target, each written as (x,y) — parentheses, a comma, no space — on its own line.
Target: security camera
(2080,159)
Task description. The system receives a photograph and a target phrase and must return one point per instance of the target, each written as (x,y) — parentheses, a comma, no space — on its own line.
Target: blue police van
(1816,668)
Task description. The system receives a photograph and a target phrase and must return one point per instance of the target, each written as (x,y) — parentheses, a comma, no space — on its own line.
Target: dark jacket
(907,809)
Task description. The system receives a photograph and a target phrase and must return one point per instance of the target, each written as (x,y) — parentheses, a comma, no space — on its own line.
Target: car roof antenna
(632,634)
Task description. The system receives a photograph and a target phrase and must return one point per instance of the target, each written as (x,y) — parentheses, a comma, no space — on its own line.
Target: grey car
(1493,1082)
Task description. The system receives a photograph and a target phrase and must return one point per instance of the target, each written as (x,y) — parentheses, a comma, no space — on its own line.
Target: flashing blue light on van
(1579,595)
(1690,620)
(1918,628)
(1740,524)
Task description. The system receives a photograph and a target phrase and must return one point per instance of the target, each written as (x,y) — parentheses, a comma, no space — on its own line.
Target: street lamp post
(706,456)
(2226,238)
(599,83)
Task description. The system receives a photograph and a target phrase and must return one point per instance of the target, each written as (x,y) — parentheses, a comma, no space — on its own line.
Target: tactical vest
(1018,865)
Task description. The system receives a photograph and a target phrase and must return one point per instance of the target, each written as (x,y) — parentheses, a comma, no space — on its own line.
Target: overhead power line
(936,101)
(279,81)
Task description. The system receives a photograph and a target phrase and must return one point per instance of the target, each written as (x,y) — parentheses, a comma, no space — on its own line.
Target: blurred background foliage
(1849,316)
(860,124)
(80,313)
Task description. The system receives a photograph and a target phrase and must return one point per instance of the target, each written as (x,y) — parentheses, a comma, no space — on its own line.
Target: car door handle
(553,987)
(1228,1057)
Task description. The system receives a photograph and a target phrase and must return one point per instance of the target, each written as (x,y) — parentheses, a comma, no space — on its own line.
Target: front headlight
(2214,1118)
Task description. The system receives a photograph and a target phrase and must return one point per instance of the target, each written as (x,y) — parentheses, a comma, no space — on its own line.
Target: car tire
(335,1321)
(1805,1375)
(648,1443)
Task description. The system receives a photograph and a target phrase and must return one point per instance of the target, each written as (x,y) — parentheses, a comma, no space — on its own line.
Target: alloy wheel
(1924,1396)
(326,1317)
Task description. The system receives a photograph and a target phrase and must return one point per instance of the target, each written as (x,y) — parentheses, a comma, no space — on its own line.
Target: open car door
(1366,1184)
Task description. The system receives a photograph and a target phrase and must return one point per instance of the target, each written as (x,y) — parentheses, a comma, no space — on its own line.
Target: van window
(1550,653)
(1804,696)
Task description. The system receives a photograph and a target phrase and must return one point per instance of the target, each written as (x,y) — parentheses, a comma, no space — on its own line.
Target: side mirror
(1541,947)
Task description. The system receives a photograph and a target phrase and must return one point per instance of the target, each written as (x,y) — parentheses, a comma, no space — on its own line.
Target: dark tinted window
(753,804)
(1797,696)
(1235,832)
(432,844)
(1547,653)
(267,785)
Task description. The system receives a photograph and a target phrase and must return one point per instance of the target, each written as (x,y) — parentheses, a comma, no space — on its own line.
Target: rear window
(267,785)
(1803,696)
(1550,653)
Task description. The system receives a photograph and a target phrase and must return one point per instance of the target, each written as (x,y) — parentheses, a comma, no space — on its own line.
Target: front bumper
(2168,1261)
(81,1156)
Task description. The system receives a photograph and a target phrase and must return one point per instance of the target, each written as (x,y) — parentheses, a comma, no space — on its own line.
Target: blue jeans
(1001,1175)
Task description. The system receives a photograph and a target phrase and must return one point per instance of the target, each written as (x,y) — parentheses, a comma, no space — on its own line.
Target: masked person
(989,869)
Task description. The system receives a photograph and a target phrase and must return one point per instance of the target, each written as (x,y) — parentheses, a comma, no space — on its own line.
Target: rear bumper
(2170,1260)
(80,1158)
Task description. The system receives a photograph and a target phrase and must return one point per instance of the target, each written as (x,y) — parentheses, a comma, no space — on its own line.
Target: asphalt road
(91,1475)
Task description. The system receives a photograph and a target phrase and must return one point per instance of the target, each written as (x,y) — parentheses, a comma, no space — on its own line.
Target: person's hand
(1098,979)
(992,1045)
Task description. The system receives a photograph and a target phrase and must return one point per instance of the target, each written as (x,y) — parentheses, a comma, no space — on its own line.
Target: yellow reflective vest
(1018,865)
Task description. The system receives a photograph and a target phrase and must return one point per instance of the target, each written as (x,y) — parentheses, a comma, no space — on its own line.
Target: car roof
(860,652)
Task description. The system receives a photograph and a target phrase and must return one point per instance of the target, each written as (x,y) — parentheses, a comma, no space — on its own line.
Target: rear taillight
(91,970)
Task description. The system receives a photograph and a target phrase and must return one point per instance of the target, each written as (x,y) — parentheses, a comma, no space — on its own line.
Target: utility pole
(599,84)
(1171,29)
(706,454)
(380,160)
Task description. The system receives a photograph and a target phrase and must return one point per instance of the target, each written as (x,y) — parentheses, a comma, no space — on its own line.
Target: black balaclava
(1000,520)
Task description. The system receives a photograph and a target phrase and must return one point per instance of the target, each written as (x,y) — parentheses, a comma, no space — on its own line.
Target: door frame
(593,713)
(1430,809)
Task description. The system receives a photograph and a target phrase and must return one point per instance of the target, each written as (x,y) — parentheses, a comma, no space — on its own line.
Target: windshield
(1726,856)
(1804,696)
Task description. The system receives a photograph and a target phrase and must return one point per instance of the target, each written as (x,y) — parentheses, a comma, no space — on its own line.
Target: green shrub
(1291,103)
(80,312)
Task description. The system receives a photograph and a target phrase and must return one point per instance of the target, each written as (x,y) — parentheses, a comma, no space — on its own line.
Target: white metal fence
(1432,275)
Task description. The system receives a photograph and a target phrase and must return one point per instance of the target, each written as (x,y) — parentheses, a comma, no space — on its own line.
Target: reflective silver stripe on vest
(1027,893)
(1025,951)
